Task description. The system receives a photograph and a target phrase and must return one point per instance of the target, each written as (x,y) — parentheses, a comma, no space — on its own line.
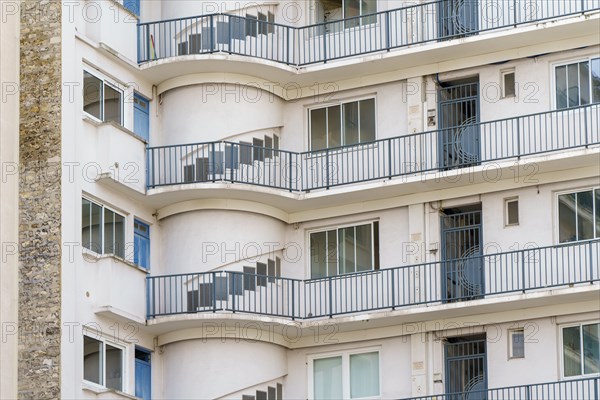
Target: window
(102,230)
(141,244)
(577,83)
(581,350)
(346,376)
(141,116)
(102,363)
(251,22)
(508,83)
(511,212)
(102,100)
(516,343)
(344,250)
(334,10)
(579,215)
(342,125)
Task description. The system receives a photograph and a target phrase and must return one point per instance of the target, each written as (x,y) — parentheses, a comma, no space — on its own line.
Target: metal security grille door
(462,255)
(466,369)
(458,18)
(458,107)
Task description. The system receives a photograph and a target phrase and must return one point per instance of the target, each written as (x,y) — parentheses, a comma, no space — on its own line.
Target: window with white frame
(579,215)
(103,362)
(342,124)
(102,229)
(577,83)
(516,343)
(580,349)
(344,250)
(508,83)
(346,376)
(511,211)
(101,99)
(333,10)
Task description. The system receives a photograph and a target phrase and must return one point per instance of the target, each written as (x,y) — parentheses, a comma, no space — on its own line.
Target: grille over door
(466,368)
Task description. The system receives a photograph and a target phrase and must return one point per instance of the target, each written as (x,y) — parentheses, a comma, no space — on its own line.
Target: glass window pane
(350,119)
(334,130)
(86,228)
(114,368)
(112,104)
(509,84)
(591,349)
(318,266)
(364,375)
(517,344)
(318,129)
(332,253)
(512,211)
(109,238)
(368,7)
(351,9)
(92,360)
(571,351)
(585,215)
(92,95)
(367,120)
(561,87)
(573,85)
(327,378)
(346,247)
(584,84)
(364,248)
(95,239)
(119,235)
(566,218)
(595,80)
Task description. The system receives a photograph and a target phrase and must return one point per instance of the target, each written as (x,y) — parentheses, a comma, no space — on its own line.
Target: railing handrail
(401,267)
(372,142)
(504,388)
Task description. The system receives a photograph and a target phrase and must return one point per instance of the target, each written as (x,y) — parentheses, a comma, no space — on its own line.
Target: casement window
(344,250)
(580,349)
(333,10)
(347,375)
(579,215)
(102,229)
(516,343)
(342,125)
(141,244)
(102,100)
(508,83)
(103,363)
(577,83)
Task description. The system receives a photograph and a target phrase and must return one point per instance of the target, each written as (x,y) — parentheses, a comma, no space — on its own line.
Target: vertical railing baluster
(523,269)
(293,299)
(388,33)
(330,297)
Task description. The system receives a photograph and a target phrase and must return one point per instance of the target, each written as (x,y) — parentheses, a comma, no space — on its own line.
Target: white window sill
(111,393)
(97,123)
(90,255)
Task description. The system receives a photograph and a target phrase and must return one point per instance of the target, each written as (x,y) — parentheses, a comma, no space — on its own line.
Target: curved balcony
(442,282)
(370,33)
(433,151)
(582,389)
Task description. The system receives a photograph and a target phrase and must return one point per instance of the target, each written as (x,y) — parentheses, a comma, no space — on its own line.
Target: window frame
(503,75)
(557,212)
(375,246)
(341,104)
(346,370)
(507,222)
(146,236)
(124,360)
(510,334)
(565,63)
(103,208)
(112,85)
(561,358)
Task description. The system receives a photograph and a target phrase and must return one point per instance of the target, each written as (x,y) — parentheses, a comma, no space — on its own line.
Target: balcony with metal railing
(382,31)
(580,389)
(471,278)
(453,148)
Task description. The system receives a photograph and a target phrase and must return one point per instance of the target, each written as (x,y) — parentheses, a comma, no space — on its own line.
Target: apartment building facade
(266,200)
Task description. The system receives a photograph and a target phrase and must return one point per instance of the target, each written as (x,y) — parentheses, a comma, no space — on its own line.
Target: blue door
(141,116)
(143,374)
(133,6)
(141,244)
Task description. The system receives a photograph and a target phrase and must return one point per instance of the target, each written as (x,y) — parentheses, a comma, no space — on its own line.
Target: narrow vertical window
(516,344)
(511,211)
(508,84)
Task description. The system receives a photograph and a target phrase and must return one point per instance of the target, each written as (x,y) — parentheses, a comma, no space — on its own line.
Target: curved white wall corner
(213,368)
(216,111)
(200,241)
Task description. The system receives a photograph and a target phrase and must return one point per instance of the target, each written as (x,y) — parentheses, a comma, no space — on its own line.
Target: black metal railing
(508,272)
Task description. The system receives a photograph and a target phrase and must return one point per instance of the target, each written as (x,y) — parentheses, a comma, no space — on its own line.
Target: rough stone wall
(40,200)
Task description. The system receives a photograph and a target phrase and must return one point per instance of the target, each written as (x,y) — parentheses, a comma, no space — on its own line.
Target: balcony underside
(415,60)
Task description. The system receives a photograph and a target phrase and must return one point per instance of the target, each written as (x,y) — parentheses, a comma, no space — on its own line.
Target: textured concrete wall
(40,200)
